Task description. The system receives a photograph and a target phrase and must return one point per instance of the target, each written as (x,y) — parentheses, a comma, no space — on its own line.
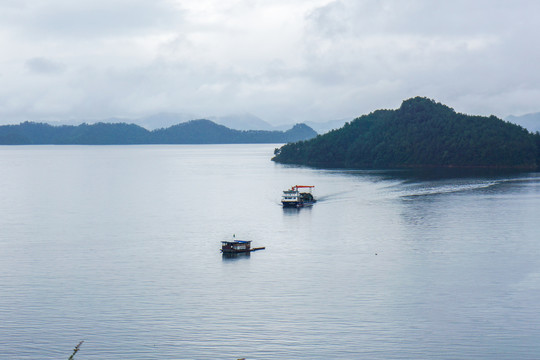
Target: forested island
(191,132)
(420,134)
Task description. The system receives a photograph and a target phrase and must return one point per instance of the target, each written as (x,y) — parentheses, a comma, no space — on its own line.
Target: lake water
(119,246)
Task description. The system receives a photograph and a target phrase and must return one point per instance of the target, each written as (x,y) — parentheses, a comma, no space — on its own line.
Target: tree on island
(421,133)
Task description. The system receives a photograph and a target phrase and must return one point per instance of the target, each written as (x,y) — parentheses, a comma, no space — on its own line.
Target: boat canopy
(236,242)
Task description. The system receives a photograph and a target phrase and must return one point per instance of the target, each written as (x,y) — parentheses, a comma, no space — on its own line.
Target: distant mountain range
(244,121)
(530,122)
(252,122)
(191,132)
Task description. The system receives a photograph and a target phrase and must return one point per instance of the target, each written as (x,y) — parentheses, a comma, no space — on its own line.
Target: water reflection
(291,211)
(235,257)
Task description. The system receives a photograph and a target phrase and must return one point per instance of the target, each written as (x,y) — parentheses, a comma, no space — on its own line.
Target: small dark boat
(237,247)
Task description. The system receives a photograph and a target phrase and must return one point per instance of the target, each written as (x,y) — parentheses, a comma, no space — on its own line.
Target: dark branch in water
(77,348)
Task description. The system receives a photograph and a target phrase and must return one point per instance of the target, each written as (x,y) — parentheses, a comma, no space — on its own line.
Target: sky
(285,61)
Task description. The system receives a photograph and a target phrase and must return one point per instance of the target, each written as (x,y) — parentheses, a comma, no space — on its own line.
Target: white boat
(298,196)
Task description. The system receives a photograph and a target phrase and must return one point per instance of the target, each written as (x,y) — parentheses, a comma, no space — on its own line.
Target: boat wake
(440,189)
(332,196)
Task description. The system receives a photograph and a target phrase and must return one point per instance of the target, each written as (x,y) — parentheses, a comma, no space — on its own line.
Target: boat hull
(296,204)
(232,251)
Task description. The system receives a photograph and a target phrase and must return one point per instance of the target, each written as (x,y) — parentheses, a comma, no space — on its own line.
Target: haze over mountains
(248,121)
(244,121)
(530,122)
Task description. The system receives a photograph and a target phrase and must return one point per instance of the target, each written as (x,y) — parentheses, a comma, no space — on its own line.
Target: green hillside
(421,133)
(191,132)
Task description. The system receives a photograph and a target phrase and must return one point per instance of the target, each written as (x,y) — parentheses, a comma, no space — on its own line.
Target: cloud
(63,19)
(284,61)
(41,65)
(450,51)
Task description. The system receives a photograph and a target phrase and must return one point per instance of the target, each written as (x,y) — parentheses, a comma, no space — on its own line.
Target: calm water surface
(119,246)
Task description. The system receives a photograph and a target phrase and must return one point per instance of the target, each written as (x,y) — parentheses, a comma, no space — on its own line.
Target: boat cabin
(235,246)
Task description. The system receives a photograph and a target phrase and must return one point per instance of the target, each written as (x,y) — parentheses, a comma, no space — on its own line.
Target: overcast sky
(281,60)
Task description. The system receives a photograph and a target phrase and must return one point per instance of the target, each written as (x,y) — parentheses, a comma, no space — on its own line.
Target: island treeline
(191,132)
(421,133)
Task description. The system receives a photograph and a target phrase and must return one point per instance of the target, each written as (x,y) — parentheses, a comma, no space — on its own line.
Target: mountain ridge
(200,131)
